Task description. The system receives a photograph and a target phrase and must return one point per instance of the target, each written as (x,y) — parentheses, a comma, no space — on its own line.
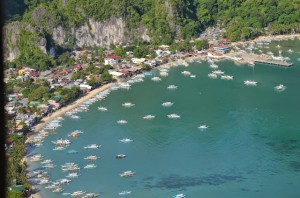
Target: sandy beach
(71,106)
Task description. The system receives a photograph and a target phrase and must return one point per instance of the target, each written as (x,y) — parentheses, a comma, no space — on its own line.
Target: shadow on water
(289,147)
(176,181)
(295,166)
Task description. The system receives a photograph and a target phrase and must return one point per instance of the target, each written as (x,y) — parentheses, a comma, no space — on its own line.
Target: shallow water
(251,148)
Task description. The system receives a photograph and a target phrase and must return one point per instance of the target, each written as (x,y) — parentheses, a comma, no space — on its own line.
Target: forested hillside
(161,20)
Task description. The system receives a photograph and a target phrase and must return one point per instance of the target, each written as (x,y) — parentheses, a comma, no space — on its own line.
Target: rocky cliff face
(92,33)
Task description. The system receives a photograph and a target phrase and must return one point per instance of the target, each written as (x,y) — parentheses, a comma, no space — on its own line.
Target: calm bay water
(251,148)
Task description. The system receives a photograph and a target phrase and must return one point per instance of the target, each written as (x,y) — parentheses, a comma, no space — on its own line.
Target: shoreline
(96,91)
(268,38)
(77,102)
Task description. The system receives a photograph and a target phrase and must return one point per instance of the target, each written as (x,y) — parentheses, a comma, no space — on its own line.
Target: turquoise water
(251,148)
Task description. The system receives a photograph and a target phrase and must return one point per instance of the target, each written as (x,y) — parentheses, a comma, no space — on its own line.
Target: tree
(201,44)
(106,77)
(140,52)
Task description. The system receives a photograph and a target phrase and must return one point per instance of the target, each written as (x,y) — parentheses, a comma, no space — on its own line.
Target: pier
(278,63)
(243,57)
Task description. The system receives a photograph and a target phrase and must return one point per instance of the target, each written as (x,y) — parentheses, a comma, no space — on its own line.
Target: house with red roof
(111,60)
(77,67)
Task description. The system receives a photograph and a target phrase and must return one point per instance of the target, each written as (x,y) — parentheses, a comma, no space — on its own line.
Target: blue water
(251,148)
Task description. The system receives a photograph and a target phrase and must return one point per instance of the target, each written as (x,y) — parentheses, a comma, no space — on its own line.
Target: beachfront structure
(138,60)
(116,74)
(222,49)
(110,60)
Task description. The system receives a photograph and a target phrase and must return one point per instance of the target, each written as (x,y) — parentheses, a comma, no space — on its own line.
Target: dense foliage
(165,20)
(16,167)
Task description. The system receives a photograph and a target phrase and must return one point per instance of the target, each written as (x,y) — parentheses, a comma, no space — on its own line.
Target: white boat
(122,122)
(58,190)
(62,142)
(172,87)
(148,117)
(173,116)
(51,186)
(92,146)
(227,77)
(90,166)
(128,104)
(38,144)
(36,158)
(71,169)
(250,83)
(124,192)
(156,79)
(186,73)
(102,108)
(212,75)
(127,174)
(91,158)
(218,72)
(126,140)
(193,76)
(48,165)
(64,181)
(163,73)
(77,194)
(73,175)
(125,86)
(90,195)
(179,196)
(203,126)
(167,104)
(59,148)
(290,51)
(46,161)
(280,87)
(44,181)
(76,117)
(213,66)
(251,64)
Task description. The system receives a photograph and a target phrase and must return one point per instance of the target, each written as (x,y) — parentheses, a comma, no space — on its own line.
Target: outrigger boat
(127,174)
(61,142)
(91,158)
(124,192)
(92,146)
(120,156)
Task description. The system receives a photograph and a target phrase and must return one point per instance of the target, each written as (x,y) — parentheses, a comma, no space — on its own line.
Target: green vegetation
(69,94)
(165,20)
(16,168)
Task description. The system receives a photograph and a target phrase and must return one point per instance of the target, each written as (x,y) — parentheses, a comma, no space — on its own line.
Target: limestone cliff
(91,33)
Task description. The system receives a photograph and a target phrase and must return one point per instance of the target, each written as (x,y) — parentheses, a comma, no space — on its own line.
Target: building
(138,60)
(116,74)
(110,60)
(222,49)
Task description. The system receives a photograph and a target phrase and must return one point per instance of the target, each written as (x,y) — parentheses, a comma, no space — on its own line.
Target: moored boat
(124,192)
(148,117)
(91,158)
(167,104)
(280,87)
(126,140)
(250,83)
(127,174)
(92,146)
(173,116)
(90,166)
(120,156)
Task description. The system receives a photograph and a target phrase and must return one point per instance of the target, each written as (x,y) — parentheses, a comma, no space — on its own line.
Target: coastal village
(25,110)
